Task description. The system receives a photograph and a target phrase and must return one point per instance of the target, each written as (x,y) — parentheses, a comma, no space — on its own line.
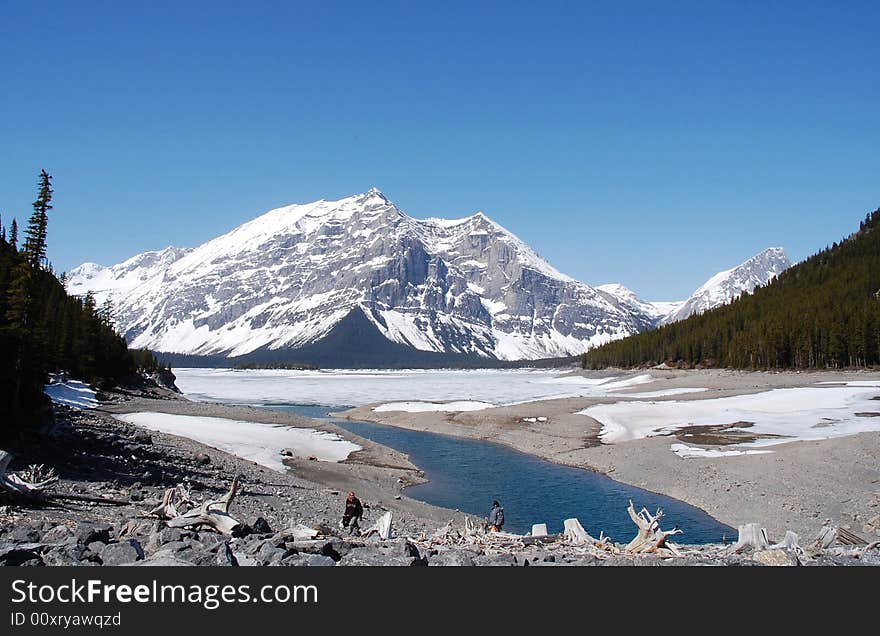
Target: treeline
(822,313)
(44,330)
(287,366)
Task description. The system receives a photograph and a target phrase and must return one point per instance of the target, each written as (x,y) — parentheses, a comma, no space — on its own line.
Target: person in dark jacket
(353,513)
(496,517)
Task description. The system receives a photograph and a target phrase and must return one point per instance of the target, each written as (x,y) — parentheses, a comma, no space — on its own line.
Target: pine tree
(35,245)
(106,313)
(13,234)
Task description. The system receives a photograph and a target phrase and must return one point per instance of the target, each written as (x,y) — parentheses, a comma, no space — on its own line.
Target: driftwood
(382,527)
(845,537)
(575,532)
(213,513)
(829,535)
(790,542)
(650,539)
(29,485)
(752,535)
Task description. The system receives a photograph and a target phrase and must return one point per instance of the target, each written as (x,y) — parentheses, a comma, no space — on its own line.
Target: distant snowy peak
(730,284)
(289,278)
(124,276)
(650,312)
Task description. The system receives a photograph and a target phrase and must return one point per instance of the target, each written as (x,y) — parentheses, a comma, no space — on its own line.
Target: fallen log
(91,499)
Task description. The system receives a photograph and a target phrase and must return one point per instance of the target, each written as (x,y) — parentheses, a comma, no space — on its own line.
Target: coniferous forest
(45,330)
(821,313)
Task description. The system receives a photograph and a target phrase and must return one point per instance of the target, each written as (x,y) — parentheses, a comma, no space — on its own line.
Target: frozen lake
(356,388)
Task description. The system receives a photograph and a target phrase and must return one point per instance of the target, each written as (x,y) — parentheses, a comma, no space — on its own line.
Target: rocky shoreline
(112,472)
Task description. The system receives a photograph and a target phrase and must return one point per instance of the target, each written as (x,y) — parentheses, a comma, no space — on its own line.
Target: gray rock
(459,558)
(87,533)
(375,556)
(408,549)
(142,437)
(203,458)
(310,560)
(20,556)
(164,561)
(67,555)
(871,557)
(58,534)
(269,552)
(495,560)
(225,556)
(775,557)
(123,553)
(23,533)
(261,526)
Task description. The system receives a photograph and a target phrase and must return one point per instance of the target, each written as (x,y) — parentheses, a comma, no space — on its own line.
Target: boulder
(408,549)
(309,560)
(375,556)
(123,553)
(142,437)
(452,557)
(775,558)
(225,556)
(261,526)
(58,534)
(163,560)
(87,533)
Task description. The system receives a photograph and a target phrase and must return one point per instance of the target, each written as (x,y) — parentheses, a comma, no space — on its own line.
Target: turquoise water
(468,474)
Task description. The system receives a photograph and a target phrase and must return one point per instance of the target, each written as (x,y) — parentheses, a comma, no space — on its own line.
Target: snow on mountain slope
(126,275)
(651,313)
(728,285)
(285,279)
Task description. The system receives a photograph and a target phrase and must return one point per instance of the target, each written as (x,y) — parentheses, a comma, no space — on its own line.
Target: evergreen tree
(821,313)
(35,244)
(43,330)
(13,234)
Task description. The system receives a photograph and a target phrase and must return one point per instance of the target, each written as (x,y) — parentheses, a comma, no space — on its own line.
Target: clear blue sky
(639,143)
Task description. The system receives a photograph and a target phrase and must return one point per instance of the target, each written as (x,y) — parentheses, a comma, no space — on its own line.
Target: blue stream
(467,475)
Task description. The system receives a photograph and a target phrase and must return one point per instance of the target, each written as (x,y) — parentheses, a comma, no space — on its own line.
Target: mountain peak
(728,285)
(374,193)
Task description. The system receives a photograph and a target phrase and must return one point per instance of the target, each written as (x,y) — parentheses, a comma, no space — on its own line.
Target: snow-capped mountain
(651,313)
(730,284)
(356,272)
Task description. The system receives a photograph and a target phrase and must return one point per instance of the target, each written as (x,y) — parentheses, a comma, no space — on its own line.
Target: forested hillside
(822,313)
(45,330)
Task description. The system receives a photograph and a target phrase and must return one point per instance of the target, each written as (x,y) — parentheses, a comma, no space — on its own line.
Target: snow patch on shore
(684,451)
(72,393)
(253,441)
(423,407)
(662,393)
(793,414)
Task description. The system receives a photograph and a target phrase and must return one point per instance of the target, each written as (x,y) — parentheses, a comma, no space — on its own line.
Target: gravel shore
(128,469)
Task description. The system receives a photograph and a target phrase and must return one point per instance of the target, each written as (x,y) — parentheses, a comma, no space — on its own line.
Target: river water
(468,474)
